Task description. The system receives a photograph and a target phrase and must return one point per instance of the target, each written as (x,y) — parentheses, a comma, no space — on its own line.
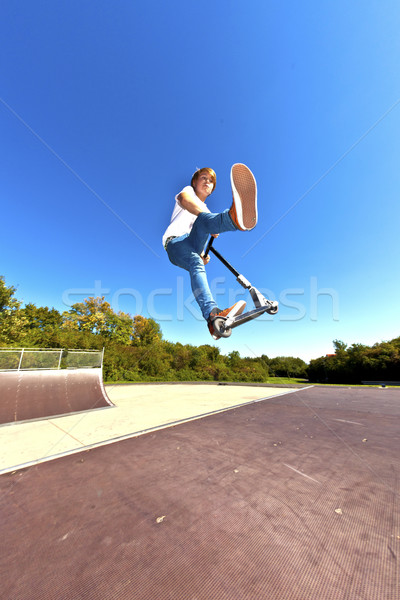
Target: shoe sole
(244,191)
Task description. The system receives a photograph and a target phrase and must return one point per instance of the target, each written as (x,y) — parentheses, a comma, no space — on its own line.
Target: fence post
(20,359)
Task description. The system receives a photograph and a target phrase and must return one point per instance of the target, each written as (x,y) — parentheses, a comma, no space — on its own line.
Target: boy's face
(204,184)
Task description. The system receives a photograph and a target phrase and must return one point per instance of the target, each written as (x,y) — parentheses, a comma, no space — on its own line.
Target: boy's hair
(207,170)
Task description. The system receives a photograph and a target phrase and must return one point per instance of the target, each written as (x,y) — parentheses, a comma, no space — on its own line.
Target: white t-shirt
(182,220)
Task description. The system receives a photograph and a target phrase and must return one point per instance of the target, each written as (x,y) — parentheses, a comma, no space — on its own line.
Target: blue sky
(107,108)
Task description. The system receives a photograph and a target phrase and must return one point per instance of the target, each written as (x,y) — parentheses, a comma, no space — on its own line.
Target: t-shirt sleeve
(187,190)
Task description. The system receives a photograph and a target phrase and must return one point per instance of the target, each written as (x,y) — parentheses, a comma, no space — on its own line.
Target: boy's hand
(205,259)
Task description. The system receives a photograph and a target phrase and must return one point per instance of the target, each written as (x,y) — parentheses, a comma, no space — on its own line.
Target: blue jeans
(184,251)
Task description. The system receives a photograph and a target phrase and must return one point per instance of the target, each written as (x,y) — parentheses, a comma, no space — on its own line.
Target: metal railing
(24,359)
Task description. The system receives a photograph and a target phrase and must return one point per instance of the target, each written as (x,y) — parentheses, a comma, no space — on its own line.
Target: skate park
(197,490)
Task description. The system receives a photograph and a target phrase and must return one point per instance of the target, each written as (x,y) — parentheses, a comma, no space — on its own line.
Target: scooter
(224,325)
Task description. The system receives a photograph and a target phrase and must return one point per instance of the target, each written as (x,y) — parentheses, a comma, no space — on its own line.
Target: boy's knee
(196,263)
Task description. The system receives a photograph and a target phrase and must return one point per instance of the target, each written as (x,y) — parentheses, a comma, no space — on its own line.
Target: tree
(42,326)
(182,357)
(6,296)
(358,363)
(145,331)
(287,366)
(12,320)
(340,347)
(95,315)
(41,317)
(234,359)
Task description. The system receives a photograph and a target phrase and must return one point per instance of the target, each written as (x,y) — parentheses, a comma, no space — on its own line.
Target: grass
(269,380)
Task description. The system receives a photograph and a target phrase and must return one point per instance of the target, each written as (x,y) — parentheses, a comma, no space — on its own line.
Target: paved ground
(135,409)
(293,497)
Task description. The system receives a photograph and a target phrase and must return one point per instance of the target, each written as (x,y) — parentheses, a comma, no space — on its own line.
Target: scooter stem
(209,248)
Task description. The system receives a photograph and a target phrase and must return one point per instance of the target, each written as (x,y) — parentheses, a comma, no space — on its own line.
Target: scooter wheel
(273,309)
(219,326)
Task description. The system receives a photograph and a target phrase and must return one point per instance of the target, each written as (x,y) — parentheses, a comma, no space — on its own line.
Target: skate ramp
(26,395)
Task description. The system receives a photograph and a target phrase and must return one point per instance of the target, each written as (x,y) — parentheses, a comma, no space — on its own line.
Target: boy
(192,223)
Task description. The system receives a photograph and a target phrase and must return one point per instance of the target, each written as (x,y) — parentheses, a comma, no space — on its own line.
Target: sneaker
(232,311)
(243,211)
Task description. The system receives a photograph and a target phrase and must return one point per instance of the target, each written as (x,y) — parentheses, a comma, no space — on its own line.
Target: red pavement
(292,498)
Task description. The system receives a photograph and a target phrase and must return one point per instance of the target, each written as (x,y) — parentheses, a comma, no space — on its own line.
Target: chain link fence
(26,359)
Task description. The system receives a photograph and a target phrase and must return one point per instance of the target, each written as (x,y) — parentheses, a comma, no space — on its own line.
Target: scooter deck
(224,325)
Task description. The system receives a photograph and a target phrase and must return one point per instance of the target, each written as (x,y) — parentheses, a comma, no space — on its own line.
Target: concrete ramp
(26,395)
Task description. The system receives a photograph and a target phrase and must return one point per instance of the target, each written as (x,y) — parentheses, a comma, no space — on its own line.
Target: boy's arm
(191,204)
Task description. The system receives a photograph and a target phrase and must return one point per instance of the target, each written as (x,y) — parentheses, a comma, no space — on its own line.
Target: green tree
(358,363)
(41,317)
(154,361)
(182,357)
(12,320)
(287,366)
(145,331)
(200,363)
(96,316)
(234,359)
(340,347)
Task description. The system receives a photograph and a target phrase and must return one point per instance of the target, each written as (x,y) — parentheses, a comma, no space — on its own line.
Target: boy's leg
(200,288)
(242,214)
(207,224)
(182,254)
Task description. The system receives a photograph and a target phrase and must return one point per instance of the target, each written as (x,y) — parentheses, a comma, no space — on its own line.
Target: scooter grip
(210,243)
